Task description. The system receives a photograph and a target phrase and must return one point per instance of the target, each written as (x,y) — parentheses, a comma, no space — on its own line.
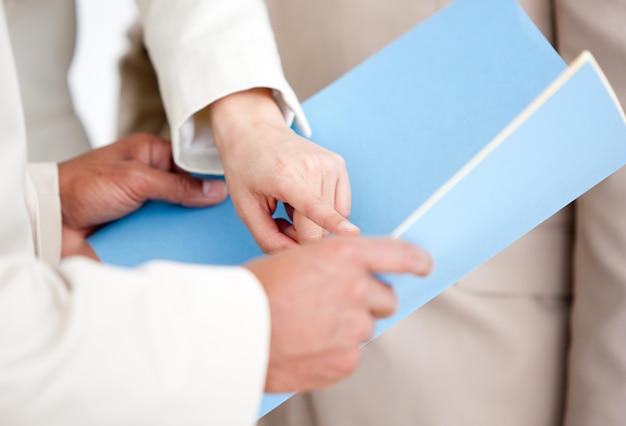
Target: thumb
(74,244)
(183,189)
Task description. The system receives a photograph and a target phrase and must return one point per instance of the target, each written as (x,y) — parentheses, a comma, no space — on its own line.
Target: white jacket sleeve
(166,344)
(203,50)
(87,344)
(44,208)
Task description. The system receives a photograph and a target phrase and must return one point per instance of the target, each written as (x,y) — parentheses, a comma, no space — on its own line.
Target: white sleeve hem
(44,206)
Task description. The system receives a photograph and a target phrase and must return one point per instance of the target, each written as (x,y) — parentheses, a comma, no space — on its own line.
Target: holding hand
(324,301)
(265,162)
(108,183)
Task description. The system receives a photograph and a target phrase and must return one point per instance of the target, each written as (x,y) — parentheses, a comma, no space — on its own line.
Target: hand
(108,183)
(323,301)
(266,162)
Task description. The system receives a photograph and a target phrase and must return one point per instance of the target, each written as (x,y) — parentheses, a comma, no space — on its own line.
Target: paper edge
(583,59)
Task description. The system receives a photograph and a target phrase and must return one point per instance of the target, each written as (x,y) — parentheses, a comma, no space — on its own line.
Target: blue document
(461,136)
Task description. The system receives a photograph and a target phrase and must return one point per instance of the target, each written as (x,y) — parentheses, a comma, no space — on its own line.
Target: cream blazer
(202,50)
(82,343)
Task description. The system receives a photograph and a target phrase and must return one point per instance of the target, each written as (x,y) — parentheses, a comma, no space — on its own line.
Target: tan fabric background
(533,337)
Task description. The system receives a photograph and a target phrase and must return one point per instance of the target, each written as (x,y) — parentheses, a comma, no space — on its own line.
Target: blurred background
(94,78)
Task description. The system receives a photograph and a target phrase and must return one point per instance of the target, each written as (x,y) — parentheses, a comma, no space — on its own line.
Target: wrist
(234,116)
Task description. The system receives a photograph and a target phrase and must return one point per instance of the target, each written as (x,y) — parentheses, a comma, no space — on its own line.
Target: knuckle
(344,250)
(134,172)
(350,361)
(185,187)
(139,146)
(322,163)
(361,328)
(390,304)
(313,205)
(357,291)
(312,164)
(338,160)
(283,169)
(137,180)
(344,211)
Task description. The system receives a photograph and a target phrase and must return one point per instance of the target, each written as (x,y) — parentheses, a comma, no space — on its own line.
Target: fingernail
(206,187)
(347,226)
(425,263)
(212,188)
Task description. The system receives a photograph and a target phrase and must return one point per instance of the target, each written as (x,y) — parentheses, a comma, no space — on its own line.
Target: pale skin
(266,162)
(323,297)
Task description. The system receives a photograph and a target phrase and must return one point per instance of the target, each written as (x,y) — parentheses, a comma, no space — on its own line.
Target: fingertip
(195,193)
(345,227)
(420,260)
(385,302)
(276,243)
(272,235)
(424,262)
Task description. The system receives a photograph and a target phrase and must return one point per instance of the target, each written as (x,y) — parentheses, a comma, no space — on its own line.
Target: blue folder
(461,136)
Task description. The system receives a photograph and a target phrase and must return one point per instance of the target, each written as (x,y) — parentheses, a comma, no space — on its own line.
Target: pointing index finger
(388,255)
